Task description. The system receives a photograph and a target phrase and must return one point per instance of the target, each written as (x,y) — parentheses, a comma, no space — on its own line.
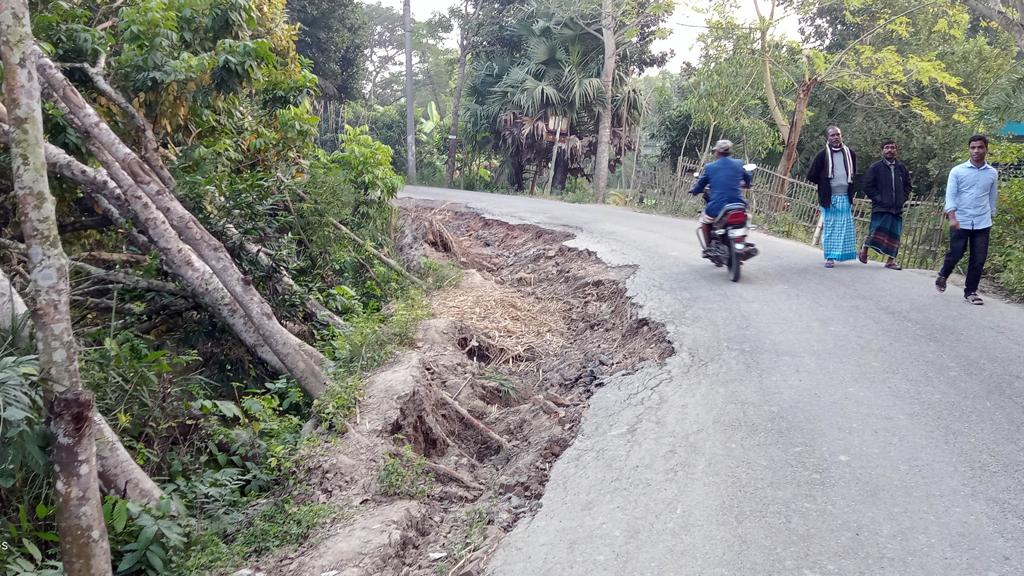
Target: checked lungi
(884,236)
(839,238)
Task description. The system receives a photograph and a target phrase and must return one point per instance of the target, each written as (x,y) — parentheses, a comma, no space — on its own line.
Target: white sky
(684,24)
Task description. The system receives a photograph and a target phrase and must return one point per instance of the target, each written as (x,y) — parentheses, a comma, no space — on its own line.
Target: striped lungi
(884,236)
(839,238)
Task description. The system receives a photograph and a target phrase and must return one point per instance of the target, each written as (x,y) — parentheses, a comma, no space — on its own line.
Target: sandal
(940,283)
(973,298)
(893,266)
(863,255)
(830,264)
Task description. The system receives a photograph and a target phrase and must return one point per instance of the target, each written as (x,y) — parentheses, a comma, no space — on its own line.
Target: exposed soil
(490,396)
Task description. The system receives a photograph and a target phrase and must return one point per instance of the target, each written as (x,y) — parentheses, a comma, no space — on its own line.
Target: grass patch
(473,535)
(281,526)
(440,275)
(405,475)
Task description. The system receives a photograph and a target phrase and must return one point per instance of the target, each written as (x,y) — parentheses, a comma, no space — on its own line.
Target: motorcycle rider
(725,177)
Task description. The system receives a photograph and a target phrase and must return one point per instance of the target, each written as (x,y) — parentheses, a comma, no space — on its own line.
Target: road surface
(848,421)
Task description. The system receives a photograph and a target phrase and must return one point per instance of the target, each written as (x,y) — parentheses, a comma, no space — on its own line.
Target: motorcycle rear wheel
(734,263)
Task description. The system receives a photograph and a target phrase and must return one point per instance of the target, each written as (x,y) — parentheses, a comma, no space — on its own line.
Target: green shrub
(405,475)
(577,190)
(1006,248)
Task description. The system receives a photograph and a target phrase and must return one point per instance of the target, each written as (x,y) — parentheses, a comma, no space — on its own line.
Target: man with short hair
(833,171)
(887,183)
(971,195)
(724,176)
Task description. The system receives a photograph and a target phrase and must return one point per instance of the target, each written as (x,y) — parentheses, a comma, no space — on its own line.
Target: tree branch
(120,277)
(150,147)
(839,58)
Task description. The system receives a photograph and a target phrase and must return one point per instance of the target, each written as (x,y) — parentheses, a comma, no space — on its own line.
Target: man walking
(833,170)
(887,183)
(971,195)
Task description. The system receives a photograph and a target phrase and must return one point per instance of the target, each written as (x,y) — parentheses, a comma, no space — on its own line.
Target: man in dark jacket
(833,170)
(887,183)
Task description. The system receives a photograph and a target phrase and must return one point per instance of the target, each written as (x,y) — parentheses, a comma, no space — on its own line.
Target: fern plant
(21,431)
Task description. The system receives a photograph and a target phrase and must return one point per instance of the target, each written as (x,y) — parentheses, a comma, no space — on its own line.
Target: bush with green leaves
(1006,248)
(405,475)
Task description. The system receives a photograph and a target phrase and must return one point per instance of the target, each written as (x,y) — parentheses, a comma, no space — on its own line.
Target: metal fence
(789,208)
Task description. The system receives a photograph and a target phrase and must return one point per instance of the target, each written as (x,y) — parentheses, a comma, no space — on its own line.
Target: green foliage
(22,436)
(507,386)
(338,403)
(1006,249)
(365,165)
(374,336)
(438,275)
(334,36)
(405,475)
(578,191)
(279,526)
(31,538)
(146,541)
(133,384)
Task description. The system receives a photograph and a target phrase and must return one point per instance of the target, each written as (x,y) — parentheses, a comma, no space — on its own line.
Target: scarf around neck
(847,161)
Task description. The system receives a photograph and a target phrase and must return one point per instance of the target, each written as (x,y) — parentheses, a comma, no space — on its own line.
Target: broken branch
(480,426)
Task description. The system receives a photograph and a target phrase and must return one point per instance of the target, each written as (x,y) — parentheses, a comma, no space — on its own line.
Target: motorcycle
(728,245)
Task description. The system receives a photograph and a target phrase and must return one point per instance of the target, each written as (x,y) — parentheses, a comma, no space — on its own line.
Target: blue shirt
(724,176)
(972,192)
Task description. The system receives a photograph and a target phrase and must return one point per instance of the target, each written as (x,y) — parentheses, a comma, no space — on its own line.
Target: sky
(684,25)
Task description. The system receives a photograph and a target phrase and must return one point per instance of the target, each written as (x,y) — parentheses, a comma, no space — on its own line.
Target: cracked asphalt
(848,421)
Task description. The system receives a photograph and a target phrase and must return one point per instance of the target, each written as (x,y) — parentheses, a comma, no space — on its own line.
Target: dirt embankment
(473,417)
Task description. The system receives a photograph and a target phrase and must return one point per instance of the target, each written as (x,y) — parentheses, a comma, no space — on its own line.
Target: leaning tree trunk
(410,97)
(125,168)
(453,133)
(636,155)
(554,157)
(682,153)
(85,549)
(803,96)
(177,259)
(604,126)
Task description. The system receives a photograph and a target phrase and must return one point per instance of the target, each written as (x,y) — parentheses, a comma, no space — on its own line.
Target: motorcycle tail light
(736,218)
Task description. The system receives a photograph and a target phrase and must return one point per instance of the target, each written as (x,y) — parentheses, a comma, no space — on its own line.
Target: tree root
(478,425)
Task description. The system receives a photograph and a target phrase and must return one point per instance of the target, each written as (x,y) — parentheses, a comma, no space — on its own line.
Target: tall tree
(467,31)
(1009,14)
(384,54)
(613,22)
(410,96)
(334,35)
(879,61)
(83,533)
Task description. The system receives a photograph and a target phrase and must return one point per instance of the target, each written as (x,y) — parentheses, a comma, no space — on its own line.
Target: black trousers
(958,241)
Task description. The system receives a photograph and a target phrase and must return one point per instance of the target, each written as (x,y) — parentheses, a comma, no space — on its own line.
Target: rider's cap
(723,146)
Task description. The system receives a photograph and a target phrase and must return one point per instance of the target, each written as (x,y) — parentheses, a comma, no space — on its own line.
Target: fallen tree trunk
(95,183)
(316,309)
(179,259)
(150,147)
(301,360)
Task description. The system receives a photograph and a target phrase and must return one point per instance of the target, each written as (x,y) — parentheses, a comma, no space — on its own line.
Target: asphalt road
(847,421)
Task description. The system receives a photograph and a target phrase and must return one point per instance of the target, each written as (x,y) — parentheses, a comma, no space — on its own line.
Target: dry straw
(509,327)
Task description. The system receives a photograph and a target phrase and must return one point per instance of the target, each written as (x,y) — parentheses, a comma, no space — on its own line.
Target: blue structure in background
(1013,130)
